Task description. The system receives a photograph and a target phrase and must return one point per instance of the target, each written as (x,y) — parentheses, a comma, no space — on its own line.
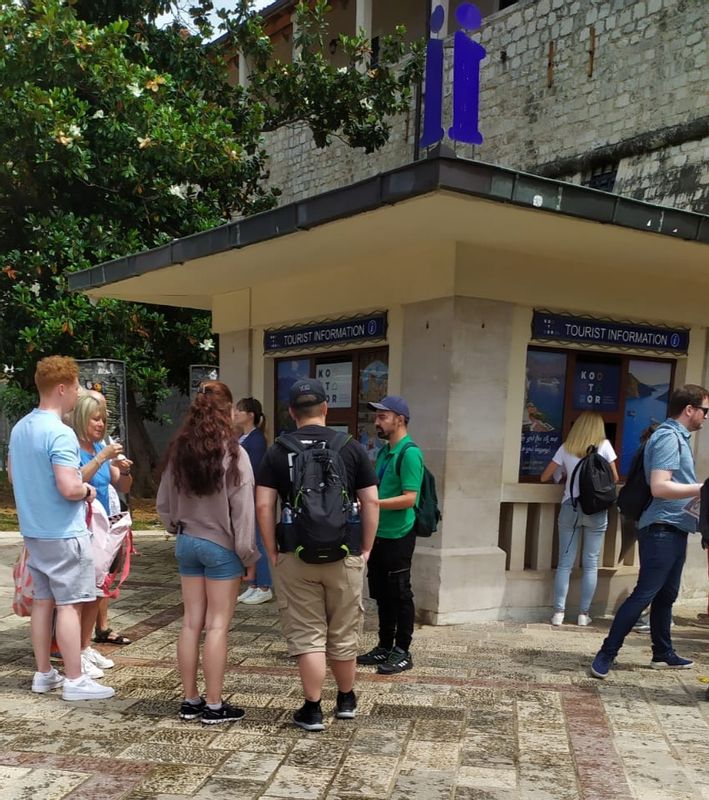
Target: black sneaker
(398,661)
(377,655)
(226,713)
(192,710)
(346,705)
(309,717)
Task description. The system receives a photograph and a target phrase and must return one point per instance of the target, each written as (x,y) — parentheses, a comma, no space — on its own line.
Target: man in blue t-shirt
(662,532)
(51,500)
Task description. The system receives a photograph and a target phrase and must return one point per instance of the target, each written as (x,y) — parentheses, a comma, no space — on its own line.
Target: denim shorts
(202,558)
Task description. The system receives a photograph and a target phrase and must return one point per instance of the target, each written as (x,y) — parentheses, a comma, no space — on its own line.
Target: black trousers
(389,578)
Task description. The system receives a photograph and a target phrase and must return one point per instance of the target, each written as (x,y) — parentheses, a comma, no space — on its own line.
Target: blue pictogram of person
(467,59)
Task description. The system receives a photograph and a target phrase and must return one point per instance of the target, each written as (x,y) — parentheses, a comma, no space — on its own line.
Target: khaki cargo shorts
(320,605)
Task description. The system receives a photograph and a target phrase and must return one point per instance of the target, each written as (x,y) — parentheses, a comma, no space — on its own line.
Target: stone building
(503,288)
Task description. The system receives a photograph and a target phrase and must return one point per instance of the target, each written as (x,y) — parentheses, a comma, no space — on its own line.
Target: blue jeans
(263,567)
(663,549)
(572,525)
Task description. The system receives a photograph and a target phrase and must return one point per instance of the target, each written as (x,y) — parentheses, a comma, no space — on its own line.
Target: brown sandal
(104,637)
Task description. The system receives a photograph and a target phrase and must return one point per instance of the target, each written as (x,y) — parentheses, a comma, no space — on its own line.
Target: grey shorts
(62,569)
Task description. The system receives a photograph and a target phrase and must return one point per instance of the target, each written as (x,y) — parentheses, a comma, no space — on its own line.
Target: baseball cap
(392,403)
(307,387)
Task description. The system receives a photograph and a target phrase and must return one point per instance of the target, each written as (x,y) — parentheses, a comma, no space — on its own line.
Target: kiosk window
(351,379)
(630,392)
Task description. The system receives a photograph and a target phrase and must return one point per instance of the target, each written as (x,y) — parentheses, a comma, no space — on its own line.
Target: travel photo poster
(543,413)
(646,400)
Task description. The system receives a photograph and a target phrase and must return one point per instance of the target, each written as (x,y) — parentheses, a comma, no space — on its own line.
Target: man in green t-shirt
(400,471)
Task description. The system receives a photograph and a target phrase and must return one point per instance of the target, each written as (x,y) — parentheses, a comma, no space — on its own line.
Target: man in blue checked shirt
(662,532)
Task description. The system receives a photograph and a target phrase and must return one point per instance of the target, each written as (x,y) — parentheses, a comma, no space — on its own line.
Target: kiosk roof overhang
(437,200)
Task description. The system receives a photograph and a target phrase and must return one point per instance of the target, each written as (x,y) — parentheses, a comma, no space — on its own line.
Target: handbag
(112,545)
(22,600)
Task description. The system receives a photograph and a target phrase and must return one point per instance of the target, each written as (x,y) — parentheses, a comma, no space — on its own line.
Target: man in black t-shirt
(320,605)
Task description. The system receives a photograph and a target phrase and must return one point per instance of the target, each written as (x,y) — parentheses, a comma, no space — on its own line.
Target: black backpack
(428,514)
(635,496)
(597,490)
(319,500)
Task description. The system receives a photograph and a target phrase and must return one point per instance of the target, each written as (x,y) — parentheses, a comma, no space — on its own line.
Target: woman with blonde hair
(206,497)
(587,431)
(103,466)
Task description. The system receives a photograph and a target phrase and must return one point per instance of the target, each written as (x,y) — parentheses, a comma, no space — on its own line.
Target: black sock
(312,705)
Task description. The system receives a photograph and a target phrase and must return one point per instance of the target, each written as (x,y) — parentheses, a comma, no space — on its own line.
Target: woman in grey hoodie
(206,497)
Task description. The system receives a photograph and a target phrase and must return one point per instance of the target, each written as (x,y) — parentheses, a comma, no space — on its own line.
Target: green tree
(117,135)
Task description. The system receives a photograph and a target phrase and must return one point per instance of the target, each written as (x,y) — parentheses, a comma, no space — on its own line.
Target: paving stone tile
(256,767)
(321,752)
(227,788)
(423,785)
(46,784)
(173,779)
(431,755)
(474,793)
(300,783)
(487,777)
(378,742)
(364,776)
(171,754)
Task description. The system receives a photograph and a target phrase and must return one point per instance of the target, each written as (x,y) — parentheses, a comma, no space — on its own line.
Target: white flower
(207,344)
(98,114)
(343,70)
(8,370)
(74,131)
(35,289)
(179,191)
(366,104)
(134,89)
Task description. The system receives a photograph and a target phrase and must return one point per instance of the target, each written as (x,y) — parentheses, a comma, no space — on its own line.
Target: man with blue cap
(399,468)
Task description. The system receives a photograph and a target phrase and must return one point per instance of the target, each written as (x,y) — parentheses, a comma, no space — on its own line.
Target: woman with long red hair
(206,497)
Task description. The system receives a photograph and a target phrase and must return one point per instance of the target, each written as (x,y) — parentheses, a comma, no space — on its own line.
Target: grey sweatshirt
(226,517)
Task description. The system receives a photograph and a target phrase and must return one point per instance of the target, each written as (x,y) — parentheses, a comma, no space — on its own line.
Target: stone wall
(642,110)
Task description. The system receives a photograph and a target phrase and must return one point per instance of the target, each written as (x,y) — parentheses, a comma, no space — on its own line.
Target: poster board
(199,373)
(108,376)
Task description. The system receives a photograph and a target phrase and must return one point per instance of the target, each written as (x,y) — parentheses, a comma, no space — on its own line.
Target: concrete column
(363,17)
(363,23)
(244,71)
(235,362)
(295,50)
(455,376)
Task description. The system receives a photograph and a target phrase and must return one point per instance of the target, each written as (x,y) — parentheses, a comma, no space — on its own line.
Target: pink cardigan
(226,517)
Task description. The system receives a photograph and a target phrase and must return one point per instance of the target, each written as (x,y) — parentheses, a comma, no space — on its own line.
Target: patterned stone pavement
(490,712)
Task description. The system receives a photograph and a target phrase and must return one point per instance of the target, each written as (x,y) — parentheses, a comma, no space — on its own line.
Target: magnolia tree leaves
(118,135)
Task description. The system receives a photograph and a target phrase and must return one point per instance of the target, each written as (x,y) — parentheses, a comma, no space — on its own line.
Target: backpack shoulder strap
(291,442)
(575,500)
(401,457)
(339,441)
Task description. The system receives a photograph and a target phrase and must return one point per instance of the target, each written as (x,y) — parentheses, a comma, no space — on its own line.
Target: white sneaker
(89,668)
(244,596)
(557,618)
(45,682)
(84,688)
(97,659)
(258,596)
(584,620)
